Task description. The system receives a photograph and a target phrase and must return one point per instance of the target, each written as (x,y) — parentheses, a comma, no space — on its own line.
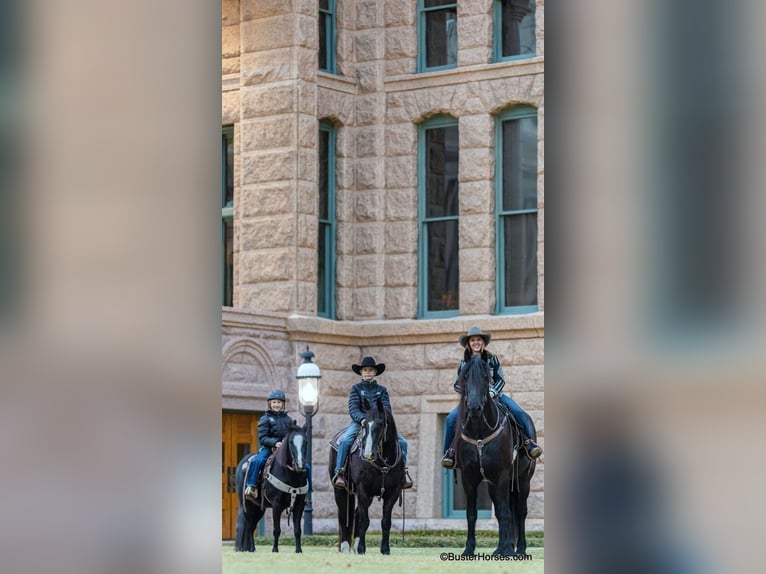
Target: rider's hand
(492,394)
(363,422)
(278,444)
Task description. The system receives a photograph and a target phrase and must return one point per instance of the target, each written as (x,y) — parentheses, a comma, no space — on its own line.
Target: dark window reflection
(518,27)
(443,270)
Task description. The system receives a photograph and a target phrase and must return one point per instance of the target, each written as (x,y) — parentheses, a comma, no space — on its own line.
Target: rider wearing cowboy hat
(475,343)
(361,395)
(272,428)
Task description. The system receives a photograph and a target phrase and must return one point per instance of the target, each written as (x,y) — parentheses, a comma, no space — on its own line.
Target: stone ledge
(477,73)
(337,83)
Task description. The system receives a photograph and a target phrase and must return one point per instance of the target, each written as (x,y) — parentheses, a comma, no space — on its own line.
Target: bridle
(379,460)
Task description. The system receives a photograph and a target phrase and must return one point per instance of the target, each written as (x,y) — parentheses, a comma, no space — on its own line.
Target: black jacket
(273,427)
(362,395)
(498,382)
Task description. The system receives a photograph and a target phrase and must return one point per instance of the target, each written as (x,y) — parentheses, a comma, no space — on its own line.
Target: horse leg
(277,516)
(363,522)
(471,514)
(385,523)
(246,524)
(345,504)
(499,494)
(300,502)
(519,511)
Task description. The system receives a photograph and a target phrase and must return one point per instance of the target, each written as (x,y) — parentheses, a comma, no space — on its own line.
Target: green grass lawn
(327,560)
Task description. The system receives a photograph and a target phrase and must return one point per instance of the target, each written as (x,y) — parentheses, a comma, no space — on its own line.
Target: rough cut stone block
(262,167)
(476,197)
(267,100)
(401,271)
(401,139)
(266,233)
(476,131)
(369,142)
(268,133)
(477,298)
(274,297)
(270,199)
(476,164)
(369,174)
(401,42)
(229,107)
(401,237)
(367,301)
(229,12)
(400,13)
(268,33)
(368,206)
(476,264)
(401,204)
(368,238)
(400,171)
(230,41)
(477,231)
(266,66)
(252,9)
(369,45)
(367,14)
(230,66)
(474,31)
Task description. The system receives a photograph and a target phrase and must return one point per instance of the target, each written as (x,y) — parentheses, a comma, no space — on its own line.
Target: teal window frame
(448,494)
(421,32)
(331,41)
(440,121)
(227,217)
(497,37)
(327,229)
(516,113)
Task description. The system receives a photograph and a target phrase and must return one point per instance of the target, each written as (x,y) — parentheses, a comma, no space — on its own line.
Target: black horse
(284,486)
(491,449)
(375,469)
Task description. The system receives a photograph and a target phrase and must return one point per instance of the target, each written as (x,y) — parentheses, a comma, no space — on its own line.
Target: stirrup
(251,492)
(407,482)
(448,461)
(533,449)
(338,481)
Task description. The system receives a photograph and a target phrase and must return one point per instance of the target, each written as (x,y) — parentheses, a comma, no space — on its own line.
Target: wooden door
(240,437)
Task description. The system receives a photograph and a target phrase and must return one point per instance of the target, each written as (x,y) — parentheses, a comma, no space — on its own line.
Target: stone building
(382,193)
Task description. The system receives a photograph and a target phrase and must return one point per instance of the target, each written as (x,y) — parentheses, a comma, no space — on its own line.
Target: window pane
(441,38)
(518,27)
(443,272)
(442,171)
(229,194)
(322,271)
(324,4)
(228,273)
(520,259)
(323,40)
(324,158)
(520,164)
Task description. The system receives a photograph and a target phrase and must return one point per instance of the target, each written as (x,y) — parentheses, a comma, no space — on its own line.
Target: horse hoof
(345,548)
(466,552)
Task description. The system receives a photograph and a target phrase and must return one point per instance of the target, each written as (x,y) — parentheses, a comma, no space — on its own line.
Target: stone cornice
(482,72)
(229,82)
(242,318)
(337,83)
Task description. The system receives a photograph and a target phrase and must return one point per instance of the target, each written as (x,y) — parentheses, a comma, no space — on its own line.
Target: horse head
(295,442)
(474,382)
(374,430)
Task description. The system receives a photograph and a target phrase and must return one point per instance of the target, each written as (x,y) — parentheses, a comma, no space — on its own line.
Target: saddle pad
(336,439)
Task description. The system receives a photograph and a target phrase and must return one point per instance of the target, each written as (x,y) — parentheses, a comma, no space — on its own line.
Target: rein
(386,468)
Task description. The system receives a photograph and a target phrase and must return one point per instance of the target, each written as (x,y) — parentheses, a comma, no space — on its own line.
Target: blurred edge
(109,311)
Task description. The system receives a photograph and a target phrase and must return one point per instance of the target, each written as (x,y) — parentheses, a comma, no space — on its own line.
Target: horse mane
(376,410)
(282,455)
(474,367)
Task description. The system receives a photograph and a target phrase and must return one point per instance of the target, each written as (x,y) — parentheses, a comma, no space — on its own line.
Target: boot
(251,492)
(407,482)
(532,448)
(338,481)
(449,458)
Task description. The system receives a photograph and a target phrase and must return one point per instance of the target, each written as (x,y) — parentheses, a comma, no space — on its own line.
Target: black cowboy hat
(368,362)
(474,332)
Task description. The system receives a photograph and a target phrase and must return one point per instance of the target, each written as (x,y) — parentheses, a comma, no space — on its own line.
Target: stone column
(277,208)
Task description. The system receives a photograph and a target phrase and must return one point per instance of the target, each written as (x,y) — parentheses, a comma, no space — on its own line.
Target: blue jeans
(516,410)
(257,465)
(348,439)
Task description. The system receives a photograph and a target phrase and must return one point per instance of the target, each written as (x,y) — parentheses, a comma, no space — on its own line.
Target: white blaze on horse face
(298,444)
(367,450)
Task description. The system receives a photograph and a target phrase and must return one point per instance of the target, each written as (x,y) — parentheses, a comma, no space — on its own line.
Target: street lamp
(308,376)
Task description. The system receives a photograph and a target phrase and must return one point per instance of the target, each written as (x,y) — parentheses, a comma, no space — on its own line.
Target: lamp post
(308,376)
